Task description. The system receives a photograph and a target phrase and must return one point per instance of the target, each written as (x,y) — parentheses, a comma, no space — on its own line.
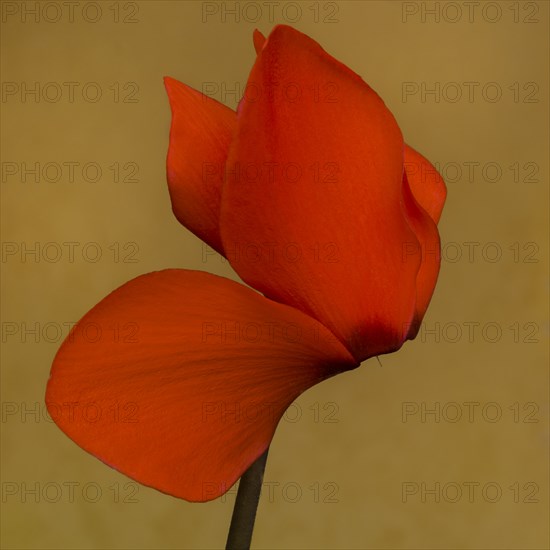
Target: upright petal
(259,40)
(178,378)
(200,134)
(426,183)
(312,209)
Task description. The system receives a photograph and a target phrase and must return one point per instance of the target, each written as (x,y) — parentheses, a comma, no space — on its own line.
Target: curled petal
(428,245)
(188,392)
(312,209)
(426,183)
(200,134)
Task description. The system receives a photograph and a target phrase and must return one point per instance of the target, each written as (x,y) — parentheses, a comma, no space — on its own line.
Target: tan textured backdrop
(337,474)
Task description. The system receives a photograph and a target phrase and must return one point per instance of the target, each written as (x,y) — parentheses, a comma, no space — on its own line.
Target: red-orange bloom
(310,192)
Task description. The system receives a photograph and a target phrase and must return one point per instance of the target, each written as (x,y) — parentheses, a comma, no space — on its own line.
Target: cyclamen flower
(311,193)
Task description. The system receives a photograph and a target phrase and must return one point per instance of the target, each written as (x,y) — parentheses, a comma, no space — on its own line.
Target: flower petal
(426,183)
(200,134)
(429,246)
(259,40)
(188,392)
(312,210)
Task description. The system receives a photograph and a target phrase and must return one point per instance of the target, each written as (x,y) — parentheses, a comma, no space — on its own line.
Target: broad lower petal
(312,208)
(200,134)
(178,379)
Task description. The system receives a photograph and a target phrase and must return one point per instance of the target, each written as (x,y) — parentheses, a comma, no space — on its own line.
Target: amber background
(370,451)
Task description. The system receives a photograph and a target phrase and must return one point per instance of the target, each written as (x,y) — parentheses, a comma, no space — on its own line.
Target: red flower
(312,195)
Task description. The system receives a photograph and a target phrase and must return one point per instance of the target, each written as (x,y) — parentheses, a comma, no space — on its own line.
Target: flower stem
(244,511)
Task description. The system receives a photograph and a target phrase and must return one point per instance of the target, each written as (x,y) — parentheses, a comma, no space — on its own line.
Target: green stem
(244,511)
